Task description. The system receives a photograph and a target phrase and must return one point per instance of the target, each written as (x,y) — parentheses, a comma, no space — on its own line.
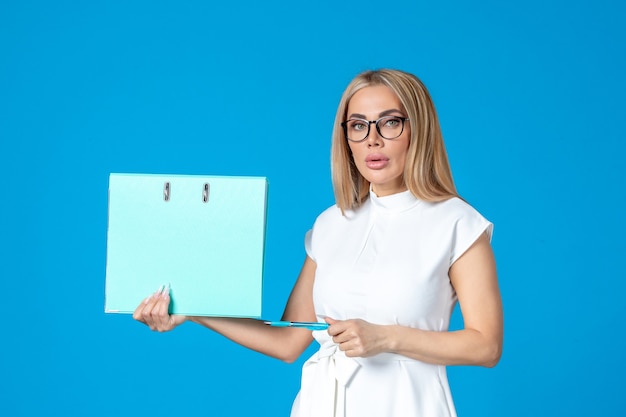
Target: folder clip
(205,192)
(166,191)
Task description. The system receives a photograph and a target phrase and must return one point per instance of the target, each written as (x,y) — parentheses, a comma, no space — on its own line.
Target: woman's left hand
(356,337)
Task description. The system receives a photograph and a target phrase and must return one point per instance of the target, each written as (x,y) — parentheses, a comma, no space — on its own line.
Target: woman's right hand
(154,312)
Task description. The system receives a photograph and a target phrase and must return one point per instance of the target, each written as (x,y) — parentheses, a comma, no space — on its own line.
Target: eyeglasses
(388,127)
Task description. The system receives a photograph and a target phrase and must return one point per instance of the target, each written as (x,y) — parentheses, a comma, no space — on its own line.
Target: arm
(282,343)
(474,278)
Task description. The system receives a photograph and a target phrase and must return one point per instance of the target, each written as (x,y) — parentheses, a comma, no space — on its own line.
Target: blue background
(531,101)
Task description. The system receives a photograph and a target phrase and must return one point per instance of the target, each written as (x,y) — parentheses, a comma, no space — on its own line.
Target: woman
(384,267)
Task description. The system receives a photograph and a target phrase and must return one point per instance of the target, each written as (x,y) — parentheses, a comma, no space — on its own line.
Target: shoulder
(333,224)
(452,208)
(333,216)
(457,216)
(327,222)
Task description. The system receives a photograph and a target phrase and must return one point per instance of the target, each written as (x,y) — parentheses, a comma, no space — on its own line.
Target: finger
(341,332)
(161,312)
(353,353)
(334,327)
(152,312)
(342,338)
(137,314)
(148,310)
(176,320)
(348,347)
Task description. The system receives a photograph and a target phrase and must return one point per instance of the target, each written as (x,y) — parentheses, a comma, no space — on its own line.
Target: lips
(376,161)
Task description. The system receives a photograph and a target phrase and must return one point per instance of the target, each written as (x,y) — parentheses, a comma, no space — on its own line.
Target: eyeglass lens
(389,127)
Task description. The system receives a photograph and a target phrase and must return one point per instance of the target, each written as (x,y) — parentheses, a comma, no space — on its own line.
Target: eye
(392,122)
(357,125)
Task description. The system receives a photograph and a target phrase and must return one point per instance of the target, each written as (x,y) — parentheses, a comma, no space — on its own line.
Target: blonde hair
(426,170)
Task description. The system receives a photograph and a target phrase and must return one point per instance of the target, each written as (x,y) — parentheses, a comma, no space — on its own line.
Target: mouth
(376,161)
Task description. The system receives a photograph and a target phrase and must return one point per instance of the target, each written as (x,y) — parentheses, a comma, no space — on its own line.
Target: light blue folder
(203,235)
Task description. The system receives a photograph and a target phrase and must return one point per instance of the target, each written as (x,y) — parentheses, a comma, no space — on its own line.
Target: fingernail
(166,291)
(156,293)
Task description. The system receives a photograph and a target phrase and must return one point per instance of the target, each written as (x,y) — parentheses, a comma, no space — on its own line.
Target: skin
(473,276)
(371,103)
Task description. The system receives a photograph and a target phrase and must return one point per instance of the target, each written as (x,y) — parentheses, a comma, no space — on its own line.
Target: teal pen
(300,324)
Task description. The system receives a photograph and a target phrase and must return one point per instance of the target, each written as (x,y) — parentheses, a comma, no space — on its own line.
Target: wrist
(398,336)
(392,338)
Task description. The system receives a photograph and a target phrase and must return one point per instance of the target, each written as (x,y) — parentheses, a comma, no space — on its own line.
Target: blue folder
(202,235)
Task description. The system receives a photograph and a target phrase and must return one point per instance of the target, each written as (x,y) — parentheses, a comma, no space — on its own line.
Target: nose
(374,138)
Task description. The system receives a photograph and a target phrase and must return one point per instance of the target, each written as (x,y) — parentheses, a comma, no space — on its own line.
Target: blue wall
(530,97)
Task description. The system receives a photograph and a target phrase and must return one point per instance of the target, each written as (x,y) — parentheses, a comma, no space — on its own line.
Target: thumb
(177,320)
(330,320)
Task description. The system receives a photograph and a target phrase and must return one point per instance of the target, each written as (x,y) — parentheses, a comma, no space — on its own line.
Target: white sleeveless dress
(387,263)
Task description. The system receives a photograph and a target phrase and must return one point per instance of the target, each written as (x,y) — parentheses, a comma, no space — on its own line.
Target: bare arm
(474,278)
(283,343)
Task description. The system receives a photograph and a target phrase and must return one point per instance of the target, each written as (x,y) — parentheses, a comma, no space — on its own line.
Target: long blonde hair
(426,170)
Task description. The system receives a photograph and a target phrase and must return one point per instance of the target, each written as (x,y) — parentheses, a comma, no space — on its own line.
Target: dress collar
(395,202)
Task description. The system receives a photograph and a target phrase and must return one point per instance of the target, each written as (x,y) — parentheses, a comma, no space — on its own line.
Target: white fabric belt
(325,376)
(324,379)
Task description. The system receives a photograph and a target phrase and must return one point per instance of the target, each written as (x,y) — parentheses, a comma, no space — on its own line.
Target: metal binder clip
(166,191)
(205,192)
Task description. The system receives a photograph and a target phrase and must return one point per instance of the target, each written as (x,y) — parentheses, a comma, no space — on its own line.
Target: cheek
(402,152)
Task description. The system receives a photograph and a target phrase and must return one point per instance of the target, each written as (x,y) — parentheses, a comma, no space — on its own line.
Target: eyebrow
(381,114)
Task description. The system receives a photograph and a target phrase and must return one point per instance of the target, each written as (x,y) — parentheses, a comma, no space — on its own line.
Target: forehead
(370,101)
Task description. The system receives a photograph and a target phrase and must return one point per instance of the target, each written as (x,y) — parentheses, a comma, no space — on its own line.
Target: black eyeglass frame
(369,124)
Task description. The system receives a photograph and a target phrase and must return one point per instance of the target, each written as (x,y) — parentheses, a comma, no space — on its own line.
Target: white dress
(387,263)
